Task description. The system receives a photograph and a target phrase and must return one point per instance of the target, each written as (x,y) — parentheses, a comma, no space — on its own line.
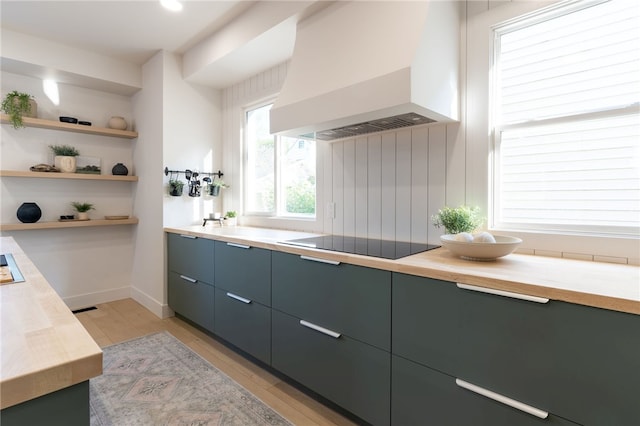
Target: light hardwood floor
(122,320)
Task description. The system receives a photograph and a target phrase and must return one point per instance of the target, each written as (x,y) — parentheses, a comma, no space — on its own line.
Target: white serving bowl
(480,251)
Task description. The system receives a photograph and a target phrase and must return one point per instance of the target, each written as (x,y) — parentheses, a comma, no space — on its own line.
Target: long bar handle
(241,299)
(186,278)
(503,293)
(503,399)
(320,329)
(315,259)
(242,246)
(188,236)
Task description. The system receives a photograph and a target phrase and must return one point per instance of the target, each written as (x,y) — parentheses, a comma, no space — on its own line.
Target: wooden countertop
(602,285)
(43,347)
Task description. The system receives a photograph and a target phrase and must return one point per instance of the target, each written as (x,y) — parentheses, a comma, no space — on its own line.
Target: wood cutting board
(5,275)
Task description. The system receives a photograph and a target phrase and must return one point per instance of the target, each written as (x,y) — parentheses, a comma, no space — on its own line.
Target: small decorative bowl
(481,251)
(71,120)
(85,123)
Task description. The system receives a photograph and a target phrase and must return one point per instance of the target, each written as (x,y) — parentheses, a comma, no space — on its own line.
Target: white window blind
(566,119)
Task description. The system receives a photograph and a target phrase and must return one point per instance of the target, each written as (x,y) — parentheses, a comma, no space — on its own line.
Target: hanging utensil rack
(189,172)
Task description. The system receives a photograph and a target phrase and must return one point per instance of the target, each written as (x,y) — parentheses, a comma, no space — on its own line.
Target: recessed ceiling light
(172,5)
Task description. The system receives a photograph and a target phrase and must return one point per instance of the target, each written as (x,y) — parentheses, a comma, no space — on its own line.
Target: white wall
(84,265)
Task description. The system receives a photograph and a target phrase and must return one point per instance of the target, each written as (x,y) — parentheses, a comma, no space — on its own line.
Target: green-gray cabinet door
(244,323)
(191,256)
(192,299)
(354,375)
(244,270)
(353,299)
(423,396)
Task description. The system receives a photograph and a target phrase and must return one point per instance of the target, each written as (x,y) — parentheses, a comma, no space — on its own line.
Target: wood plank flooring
(123,320)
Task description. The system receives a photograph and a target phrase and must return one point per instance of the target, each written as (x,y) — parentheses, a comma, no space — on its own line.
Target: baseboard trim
(161,310)
(90,299)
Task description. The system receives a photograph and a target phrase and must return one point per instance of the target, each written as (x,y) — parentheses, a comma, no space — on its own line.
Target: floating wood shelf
(67,224)
(53,175)
(69,127)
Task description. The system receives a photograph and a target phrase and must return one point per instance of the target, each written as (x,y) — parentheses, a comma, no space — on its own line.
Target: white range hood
(360,67)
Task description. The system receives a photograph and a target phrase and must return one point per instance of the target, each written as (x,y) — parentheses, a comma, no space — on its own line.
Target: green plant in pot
(65,158)
(459,219)
(175,187)
(231,218)
(16,105)
(216,186)
(82,209)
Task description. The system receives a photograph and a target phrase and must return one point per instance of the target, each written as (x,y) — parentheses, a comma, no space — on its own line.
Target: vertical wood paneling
(349,200)
(361,187)
(388,186)
(420,142)
(338,186)
(325,186)
(403,185)
(374,188)
(437,178)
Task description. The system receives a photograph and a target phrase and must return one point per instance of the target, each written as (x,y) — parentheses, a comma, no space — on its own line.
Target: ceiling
(133,31)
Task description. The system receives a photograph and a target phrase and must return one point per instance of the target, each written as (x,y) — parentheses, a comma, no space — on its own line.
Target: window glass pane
(260,172)
(298,176)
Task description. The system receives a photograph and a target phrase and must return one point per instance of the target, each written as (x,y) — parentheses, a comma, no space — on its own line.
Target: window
(280,172)
(566,123)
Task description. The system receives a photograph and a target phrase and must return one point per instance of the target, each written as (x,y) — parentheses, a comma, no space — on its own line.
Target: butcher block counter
(44,348)
(602,285)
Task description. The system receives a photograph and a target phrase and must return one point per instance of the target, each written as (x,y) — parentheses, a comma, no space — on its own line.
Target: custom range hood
(360,67)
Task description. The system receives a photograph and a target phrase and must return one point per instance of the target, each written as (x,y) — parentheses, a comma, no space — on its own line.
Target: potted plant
(16,105)
(456,220)
(65,158)
(216,185)
(82,209)
(175,187)
(230,218)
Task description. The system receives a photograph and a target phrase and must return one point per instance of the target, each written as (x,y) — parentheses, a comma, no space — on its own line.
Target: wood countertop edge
(19,389)
(424,265)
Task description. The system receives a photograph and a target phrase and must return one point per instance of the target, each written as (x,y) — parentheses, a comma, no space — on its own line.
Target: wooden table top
(598,284)
(43,347)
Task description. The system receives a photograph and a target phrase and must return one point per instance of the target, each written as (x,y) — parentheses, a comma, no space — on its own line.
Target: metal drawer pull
(315,259)
(320,329)
(191,280)
(188,236)
(503,293)
(241,299)
(238,245)
(503,399)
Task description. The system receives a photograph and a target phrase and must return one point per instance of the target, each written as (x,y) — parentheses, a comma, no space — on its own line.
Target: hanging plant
(15,105)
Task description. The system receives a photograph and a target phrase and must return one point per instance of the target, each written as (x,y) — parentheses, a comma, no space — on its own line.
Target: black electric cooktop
(363,246)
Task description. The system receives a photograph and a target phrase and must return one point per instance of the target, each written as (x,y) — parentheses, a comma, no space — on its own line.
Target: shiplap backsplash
(384,185)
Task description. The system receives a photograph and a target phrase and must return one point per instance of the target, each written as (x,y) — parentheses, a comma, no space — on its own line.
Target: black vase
(120,170)
(29,213)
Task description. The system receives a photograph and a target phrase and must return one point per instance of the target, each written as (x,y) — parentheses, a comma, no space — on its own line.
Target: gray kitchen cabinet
(244,270)
(192,256)
(577,362)
(350,373)
(422,396)
(244,323)
(191,298)
(352,299)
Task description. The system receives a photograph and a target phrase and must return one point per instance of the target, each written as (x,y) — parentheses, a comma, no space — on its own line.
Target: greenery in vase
(220,183)
(230,214)
(459,219)
(64,150)
(82,207)
(176,184)
(15,105)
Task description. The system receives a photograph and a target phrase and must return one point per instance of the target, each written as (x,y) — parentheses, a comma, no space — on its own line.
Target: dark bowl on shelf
(69,120)
(85,123)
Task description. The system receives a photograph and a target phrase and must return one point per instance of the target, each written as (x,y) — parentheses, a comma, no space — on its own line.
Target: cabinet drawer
(425,325)
(421,395)
(352,374)
(192,300)
(244,323)
(244,270)
(354,300)
(191,256)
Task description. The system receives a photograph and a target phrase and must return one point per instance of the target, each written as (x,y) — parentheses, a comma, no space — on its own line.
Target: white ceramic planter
(65,163)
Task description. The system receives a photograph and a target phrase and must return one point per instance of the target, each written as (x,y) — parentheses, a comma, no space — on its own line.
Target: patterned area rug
(156,380)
